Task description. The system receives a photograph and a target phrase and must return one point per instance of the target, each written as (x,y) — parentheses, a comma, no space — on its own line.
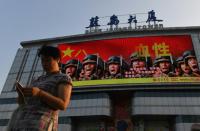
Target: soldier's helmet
(95,60)
(118,60)
(73,62)
(161,59)
(187,55)
(135,56)
(113,59)
(179,60)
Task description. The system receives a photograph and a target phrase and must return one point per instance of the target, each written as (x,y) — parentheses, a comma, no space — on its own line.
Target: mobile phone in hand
(19,89)
(19,85)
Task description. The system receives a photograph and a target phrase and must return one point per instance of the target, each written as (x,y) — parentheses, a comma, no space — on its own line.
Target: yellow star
(68,52)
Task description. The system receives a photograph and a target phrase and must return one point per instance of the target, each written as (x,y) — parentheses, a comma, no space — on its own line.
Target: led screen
(150,59)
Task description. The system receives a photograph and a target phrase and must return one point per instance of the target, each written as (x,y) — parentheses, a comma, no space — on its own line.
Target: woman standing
(44,98)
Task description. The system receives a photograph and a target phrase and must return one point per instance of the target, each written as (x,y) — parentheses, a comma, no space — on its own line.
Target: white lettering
(156,26)
(87,31)
(150,26)
(138,27)
(144,27)
(116,28)
(161,26)
(129,28)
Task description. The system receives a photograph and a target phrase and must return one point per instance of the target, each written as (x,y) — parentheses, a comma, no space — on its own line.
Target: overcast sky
(22,20)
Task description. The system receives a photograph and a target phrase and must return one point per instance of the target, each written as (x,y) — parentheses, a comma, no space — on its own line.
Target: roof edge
(24,43)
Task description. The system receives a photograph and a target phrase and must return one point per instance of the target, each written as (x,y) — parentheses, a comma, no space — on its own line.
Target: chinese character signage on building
(131,60)
(114,23)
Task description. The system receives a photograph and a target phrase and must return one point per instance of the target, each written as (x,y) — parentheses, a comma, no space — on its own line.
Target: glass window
(4,122)
(24,78)
(16,64)
(64,120)
(39,65)
(37,74)
(8,101)
(8,86)
(30,60)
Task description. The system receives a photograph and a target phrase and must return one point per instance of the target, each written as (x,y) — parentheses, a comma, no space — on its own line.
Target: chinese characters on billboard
(131,60)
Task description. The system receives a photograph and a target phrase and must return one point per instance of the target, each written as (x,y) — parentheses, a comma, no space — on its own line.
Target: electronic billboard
(132,60)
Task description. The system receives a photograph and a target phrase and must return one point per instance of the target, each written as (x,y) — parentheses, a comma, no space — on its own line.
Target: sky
(22,20)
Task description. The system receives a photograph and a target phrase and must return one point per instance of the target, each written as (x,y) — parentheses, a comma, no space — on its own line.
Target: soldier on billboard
(137,61)
(138,65)
(164,65)
(191,61)
(185,70)
(72,68)
(177,68)
(116,67)
(93,67)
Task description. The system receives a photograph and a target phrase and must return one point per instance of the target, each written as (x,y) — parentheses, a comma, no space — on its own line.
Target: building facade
(144,107)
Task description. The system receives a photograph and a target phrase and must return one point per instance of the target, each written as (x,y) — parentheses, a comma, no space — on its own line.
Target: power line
(125,15)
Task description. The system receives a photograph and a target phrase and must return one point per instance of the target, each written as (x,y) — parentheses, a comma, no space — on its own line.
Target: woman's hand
(31,92)
(57,102)
(20,98)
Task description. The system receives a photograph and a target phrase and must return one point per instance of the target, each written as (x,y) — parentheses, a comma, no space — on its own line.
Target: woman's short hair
(50,51)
